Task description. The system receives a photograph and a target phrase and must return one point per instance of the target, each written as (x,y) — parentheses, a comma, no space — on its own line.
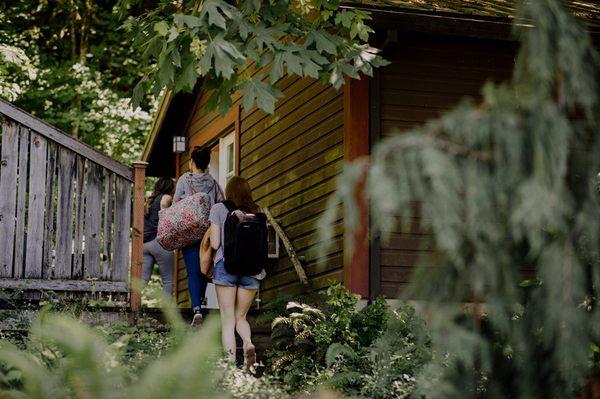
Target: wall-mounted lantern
(180,144)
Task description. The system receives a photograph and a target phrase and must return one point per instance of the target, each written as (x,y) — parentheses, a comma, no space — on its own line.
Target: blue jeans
(222,277)
(196,281)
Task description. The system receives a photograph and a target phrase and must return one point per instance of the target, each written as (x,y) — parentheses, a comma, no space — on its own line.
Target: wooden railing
(65,212)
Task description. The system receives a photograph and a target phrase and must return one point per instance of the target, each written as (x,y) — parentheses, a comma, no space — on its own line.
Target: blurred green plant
(507,184)
(248,45)
(67,359)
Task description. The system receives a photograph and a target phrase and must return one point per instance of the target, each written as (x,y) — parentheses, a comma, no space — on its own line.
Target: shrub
(68,359)
(356,352)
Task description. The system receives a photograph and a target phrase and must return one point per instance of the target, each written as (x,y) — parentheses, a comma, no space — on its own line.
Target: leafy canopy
(248,46)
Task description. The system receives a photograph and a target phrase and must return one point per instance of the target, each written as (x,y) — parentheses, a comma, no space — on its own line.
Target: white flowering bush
(69,64)
(15,70)
(104,120)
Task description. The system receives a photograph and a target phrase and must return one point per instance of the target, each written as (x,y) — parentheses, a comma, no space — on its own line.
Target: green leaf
(322,42)
(223,55)
(266,37)
(293,63)
(218,12)
(187,78)
(161,28)
(166,72)
(191,21)
(276,71)
(153,48)
(261,93)
(173,33)
(336,79)
(345,18)
(175,57)
(311,69)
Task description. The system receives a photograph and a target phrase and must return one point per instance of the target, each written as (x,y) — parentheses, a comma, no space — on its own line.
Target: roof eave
(157,123)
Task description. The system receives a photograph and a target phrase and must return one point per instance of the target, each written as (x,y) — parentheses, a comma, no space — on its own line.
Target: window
(227,158)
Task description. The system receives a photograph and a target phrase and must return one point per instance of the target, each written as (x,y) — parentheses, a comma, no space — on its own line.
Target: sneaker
(198,319)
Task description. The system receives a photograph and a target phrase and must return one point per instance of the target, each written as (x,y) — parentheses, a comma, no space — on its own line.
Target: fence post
(137,241)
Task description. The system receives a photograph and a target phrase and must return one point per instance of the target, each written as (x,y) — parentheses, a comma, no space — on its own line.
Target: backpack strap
(229,205)
(218,191)
(188,180)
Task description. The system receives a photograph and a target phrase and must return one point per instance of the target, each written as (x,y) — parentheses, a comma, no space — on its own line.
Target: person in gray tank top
(198,180)
(153,253)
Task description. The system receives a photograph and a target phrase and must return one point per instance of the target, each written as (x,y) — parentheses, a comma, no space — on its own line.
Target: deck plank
(77,271)
(108,220)
(48,262)
(93,221)
(37,199)
(122,229)
(20,239)
(64,218)
(8,181)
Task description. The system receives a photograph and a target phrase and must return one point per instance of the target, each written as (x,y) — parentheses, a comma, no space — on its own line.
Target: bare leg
(243,302)
(226,297)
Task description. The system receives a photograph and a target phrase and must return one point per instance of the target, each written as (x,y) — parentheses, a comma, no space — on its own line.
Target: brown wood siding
(428,76)
(291,160)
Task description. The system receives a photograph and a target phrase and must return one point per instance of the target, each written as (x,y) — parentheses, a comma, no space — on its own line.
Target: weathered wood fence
(65,212)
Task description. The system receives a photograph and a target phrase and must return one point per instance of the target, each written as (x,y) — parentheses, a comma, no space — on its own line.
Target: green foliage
(72,66)
(356,352)
(228,44)
(67,359)
(397,357)
(241,384)
(507,184)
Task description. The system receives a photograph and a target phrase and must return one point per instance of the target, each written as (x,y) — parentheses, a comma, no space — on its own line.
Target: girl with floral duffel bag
(184,224)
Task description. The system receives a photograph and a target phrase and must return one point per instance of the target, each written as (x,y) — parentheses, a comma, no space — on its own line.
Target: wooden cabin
(440,52)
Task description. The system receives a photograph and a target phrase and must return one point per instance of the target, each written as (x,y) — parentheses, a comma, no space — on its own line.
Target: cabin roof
(588,11)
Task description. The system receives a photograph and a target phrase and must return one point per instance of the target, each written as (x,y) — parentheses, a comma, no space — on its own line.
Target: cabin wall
(429,75)
(291,160)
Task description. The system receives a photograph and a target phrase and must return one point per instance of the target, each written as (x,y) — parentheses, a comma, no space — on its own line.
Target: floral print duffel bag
(184,223)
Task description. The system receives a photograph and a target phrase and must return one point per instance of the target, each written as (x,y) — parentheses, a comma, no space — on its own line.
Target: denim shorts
(221,277)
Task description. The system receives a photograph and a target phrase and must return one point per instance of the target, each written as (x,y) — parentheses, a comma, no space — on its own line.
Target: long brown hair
(238,191)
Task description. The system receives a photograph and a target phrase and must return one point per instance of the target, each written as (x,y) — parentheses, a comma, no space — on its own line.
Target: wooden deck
(65,212)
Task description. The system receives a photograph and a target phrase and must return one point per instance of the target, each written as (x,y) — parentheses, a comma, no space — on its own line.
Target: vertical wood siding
(429,75)
(291,160)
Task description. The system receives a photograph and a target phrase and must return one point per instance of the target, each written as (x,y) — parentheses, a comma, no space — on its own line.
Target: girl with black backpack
(238,234)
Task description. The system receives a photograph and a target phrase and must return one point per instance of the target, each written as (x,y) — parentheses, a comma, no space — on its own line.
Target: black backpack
(245,248)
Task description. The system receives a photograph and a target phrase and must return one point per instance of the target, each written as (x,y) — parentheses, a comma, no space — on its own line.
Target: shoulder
(220,207)
(184,177)
(217,210)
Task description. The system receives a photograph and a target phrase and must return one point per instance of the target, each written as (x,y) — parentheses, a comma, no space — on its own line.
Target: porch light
(180,144)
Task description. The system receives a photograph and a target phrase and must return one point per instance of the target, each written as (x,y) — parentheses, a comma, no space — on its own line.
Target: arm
(215,226)
(166,201)
(215,236)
